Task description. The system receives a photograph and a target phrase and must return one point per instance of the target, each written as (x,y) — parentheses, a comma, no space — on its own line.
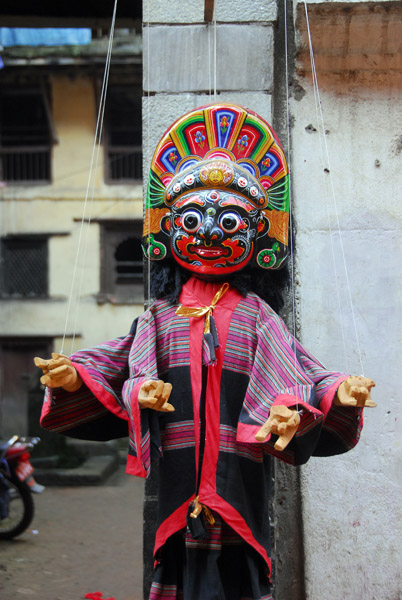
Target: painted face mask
(211,231)
(217,197)
(214,228)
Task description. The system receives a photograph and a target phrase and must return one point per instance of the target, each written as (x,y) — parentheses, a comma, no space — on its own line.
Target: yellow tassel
(198,507)
(187,311)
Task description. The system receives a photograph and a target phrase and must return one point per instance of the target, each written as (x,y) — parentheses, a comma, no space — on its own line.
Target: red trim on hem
(234,519)
(134,466)
(174,522)
(47,405)
(223,314)
(291,400)
(107,399)
(136,418)
(246,433)
(328,398)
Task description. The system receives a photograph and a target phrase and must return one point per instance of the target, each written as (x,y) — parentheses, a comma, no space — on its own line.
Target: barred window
(25,135)
(24,267)
(121,262)
(123,134)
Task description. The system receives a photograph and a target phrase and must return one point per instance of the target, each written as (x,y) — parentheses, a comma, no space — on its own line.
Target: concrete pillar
(179,75)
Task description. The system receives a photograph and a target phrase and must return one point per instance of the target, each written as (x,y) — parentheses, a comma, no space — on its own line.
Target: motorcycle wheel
(20,509)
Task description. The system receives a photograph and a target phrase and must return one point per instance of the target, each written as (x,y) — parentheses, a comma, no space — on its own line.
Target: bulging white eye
(191,220)
(230,222)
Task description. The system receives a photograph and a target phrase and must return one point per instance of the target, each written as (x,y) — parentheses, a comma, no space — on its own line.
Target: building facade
(343,139)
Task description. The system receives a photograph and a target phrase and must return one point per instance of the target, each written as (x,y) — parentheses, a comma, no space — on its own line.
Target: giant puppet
(209,380)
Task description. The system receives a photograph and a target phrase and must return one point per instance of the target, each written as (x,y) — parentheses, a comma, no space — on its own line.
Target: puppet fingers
(151,388)
(42,363)
(282,422)
(154,394)
(154,404)
(360,393)
(58,360)
(64,376)
(367,385)
(362,396)
(57,377)
(355,391)
(162,403)
(264,431)
(287,433)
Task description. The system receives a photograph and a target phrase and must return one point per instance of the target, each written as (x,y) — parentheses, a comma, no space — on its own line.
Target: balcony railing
(25,164)
(125,163)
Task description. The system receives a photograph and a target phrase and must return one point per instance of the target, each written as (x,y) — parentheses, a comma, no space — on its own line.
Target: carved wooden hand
(355,391)
(58,371)
(283,422)
(154,394)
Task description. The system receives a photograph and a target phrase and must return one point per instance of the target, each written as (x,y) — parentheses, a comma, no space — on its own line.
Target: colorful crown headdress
(242,143)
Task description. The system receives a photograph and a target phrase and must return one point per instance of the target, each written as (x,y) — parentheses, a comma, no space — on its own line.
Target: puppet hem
(328,398)
(134,467)
(102,395)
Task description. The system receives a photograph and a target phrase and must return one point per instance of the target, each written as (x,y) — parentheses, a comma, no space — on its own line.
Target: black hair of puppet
(167,279)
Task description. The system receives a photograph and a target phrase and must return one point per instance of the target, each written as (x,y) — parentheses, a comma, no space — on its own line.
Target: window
(24,267)
(25,135)
(123,127)
(121,262)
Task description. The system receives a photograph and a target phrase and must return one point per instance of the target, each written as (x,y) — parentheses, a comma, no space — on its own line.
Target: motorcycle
(16,486)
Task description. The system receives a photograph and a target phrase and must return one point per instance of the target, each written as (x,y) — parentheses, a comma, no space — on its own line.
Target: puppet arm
(58,371)
(154,393)
(355,391)
(283,422)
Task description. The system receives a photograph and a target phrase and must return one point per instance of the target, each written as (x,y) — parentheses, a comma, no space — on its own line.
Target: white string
(90,185)
(209,30)
(321,135)
(148,138)
(324,138)
(148,299)
(292,275)
(214,18)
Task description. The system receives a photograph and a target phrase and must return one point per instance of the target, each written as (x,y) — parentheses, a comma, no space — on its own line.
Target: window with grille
(24,267)
(123,127)
(121,262)
(25,135)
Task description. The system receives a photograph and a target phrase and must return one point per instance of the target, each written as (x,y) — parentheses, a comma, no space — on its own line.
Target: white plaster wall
(352,503)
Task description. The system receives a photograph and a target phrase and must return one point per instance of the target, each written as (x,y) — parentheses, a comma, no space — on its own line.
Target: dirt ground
(82,540)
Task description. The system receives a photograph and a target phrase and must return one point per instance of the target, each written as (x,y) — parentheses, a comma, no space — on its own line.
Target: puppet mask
(218,197)
(215,217)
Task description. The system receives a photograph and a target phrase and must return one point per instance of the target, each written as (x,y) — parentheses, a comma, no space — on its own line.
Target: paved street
(82,540)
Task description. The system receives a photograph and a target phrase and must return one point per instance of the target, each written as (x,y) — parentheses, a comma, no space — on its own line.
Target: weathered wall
(351,504)
(58,209)
(245,74)
(179,75)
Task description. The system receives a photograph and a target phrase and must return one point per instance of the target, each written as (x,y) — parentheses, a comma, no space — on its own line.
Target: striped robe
(207,446)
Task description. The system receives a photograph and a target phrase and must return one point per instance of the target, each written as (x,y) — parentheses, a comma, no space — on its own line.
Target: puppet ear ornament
(266,259)
(153,249)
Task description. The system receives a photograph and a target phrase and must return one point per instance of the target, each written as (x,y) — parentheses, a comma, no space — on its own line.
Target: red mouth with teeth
(210,253)
(188,250)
